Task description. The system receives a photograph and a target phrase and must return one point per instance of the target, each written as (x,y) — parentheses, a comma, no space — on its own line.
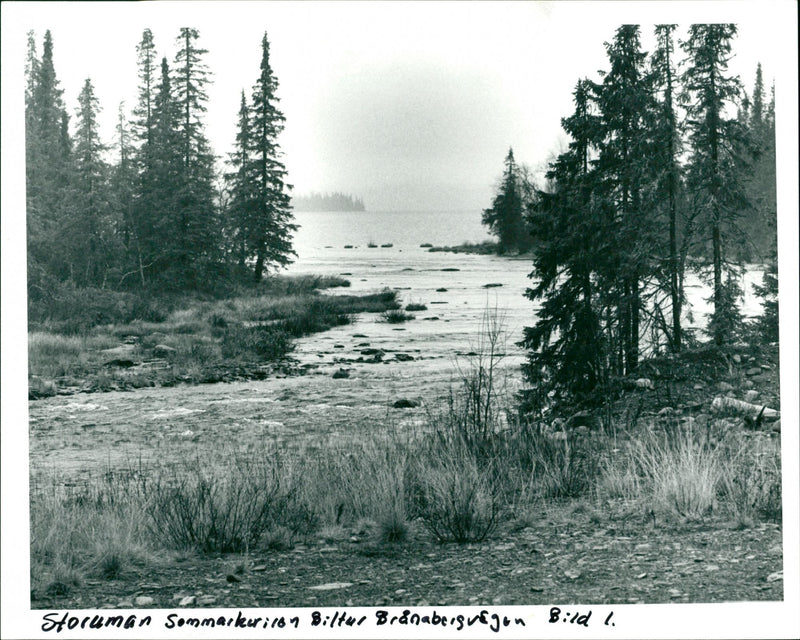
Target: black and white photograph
(400,319)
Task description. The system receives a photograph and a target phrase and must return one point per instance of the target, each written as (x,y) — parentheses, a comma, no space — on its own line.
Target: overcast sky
(408,105)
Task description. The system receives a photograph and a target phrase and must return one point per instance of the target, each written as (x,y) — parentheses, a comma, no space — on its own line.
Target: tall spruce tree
(122,188)
(156,210)
(505,217)
(270,223)
(152,110)
(197,221)
(148,77)
(567,356)
(715,172)
(760,223)
(86,235)
(48,167)
(241,188)
(666,151)
(624,170)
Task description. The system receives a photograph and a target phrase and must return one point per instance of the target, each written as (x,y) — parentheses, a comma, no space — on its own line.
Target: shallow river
(78,434)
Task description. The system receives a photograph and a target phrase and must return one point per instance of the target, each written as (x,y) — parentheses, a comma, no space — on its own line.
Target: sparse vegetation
(195,340)
(488,247)
(395,316)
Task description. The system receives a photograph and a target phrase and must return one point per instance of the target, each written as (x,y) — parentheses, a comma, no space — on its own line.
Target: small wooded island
(327,202)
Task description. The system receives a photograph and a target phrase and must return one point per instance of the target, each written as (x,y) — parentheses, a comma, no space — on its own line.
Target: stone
(405,403)
(583,419)
(441,290)
(143,601)
(753,371)
(187,601)
(341,373)
(122,363)
(403,357)
(330,586)
(725,386)
(774,577)
(378,353)
(644,383)
(164,351)
(206,600)
(751,395)
(492,285)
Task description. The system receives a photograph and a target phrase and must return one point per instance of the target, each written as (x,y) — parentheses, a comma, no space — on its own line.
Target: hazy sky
(408,105)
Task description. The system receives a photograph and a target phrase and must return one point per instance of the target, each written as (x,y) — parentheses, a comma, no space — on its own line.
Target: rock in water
(405,403)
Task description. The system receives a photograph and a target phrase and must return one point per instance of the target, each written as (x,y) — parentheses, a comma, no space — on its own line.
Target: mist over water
(404,229)
(452,286)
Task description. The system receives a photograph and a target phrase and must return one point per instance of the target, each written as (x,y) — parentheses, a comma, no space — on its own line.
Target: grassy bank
(487,247)
(469,472)
(84,340)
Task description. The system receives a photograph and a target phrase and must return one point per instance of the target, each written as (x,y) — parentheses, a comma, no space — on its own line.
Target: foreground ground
(362,381)
(593,549)
(573,554)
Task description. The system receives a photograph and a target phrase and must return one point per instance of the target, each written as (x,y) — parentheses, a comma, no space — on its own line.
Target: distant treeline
(327,202)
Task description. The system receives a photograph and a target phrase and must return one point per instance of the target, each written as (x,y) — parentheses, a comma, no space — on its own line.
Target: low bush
(288,285)
(751,480)
(564,467)
(75,310)
(456,498)
(396,317)
(199,507)
(270,343)
(681,471)
(93,530)
(415,306)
